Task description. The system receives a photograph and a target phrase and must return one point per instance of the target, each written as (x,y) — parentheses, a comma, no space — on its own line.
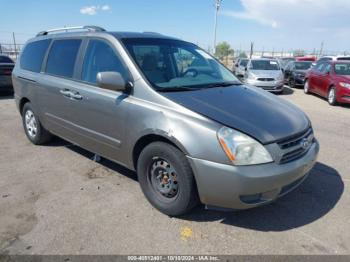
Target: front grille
(294,147)
(265,79)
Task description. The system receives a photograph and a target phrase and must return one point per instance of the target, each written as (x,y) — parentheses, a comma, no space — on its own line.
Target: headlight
(251,76)
(343,84)
(242,149)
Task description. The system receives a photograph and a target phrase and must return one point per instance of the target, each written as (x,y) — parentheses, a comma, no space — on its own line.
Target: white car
(333,58)
(266,74)
(240,67)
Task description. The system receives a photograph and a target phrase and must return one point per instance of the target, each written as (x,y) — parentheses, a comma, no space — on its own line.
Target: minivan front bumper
(242,187)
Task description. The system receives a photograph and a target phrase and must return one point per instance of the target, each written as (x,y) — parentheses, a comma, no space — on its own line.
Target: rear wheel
(332,96)
(166,179)
(35,132)
(306,87)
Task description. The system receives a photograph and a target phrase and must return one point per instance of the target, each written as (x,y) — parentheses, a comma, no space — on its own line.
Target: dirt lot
(55,200)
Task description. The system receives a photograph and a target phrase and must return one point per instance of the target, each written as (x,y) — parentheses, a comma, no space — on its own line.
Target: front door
(98,115)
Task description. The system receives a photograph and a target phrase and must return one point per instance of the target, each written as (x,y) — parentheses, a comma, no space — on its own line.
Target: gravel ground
(55,200)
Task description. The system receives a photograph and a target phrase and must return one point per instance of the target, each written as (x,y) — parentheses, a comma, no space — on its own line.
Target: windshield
(173,64)
(264,65)
(285,61)
(5,59)
(342,69)
(244,62)
(302,65)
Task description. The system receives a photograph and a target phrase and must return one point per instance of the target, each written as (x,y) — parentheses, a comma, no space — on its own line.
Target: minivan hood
(266,73)
(255,112)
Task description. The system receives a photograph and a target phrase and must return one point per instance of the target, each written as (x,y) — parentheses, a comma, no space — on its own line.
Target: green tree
(223,50)
(243,55)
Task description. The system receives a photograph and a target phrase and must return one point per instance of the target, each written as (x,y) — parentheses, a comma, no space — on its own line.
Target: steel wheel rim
(306,87)
(163,178)
(31,124)
(331,96)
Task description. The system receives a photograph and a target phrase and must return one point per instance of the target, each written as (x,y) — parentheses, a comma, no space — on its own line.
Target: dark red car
(330,79)
(306,58)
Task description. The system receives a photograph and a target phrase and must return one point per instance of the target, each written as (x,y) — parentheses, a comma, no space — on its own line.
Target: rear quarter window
(62,57)
(33,55)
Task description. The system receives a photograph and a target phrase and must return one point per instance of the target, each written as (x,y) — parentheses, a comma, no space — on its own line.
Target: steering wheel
(194,72)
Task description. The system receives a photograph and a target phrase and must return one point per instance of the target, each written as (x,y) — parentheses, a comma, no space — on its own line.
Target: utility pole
(321,50)
(251,49)
(217,7)
(14,43)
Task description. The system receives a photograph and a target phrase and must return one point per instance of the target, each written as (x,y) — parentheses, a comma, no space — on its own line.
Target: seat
(151,70)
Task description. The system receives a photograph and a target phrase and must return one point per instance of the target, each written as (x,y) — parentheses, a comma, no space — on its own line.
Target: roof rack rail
(151,33)
(86,27)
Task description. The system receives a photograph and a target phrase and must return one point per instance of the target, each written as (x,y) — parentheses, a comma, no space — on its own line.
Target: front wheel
(332,96)
(166,179)
(306,87)
(35,132)
(291,83)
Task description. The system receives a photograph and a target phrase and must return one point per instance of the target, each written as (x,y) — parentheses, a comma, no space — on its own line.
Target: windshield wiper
(223,84)
(177,89)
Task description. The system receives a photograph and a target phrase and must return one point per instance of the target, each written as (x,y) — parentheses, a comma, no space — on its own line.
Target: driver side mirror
(246,68)
(111,81)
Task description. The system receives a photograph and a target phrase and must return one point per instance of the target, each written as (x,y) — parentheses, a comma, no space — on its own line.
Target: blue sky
(271,24)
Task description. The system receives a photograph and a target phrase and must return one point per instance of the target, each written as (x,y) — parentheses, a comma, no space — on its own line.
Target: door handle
(66,92)
(76,96)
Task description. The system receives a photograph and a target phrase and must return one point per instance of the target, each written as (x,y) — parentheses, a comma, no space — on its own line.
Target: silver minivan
(168,110)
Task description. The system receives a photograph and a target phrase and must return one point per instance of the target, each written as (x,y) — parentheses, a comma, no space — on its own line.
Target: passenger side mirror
(246,68)
(111,81)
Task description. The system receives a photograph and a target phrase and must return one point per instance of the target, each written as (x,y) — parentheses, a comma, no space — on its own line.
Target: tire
(306,87)
(166,179)
(35,132)
(332,96)
(291,83)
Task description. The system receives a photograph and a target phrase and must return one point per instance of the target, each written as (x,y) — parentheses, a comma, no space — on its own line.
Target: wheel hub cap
(163,178)
(331,96)
(31,124)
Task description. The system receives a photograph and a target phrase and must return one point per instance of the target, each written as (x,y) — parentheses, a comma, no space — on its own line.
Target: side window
(62,56)
(326,68)
(33,55)
(100,57)
(319,67)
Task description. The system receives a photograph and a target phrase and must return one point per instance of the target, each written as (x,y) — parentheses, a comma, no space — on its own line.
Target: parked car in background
(306,58)
(330,79)
(240,68)
(6,67)
(285,60)
(167,109)
(266,74)
(333,58)
(294,73)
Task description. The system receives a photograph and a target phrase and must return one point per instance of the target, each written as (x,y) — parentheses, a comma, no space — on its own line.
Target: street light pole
(217,7)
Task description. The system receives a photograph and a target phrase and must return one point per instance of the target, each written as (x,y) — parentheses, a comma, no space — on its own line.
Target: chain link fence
(11,50)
